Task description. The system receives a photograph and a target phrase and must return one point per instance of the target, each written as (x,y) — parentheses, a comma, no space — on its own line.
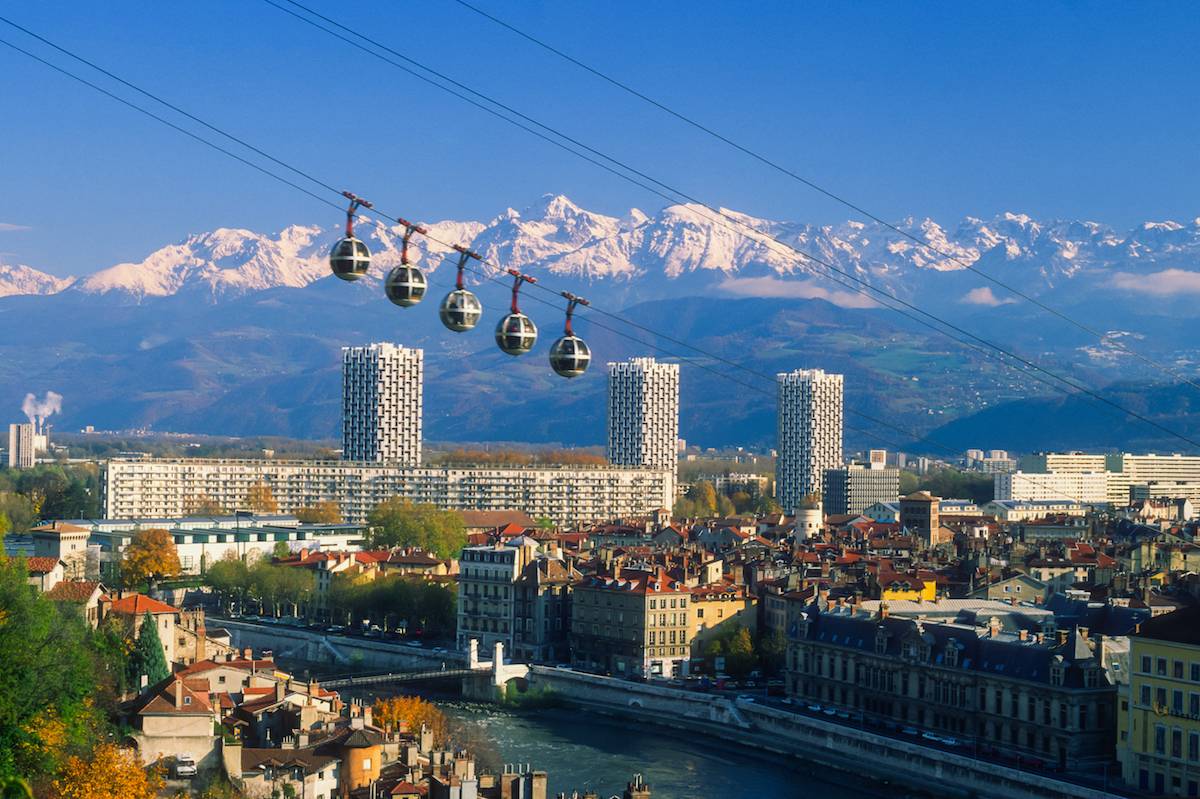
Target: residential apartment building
(1123,470)
(809,433)
(487,595)
(631,623)
(381,404)
(568,495)
(1087,488)
(858,486)
(1023,510)
(1043,696)
(643,417)
(517,595)
(21,453)
(1158,731)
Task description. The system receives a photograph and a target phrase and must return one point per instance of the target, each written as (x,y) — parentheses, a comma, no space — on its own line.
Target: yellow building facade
(1158,724)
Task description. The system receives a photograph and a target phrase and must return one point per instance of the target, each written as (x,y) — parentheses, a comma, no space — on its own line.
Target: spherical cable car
(516,333)
(350,259)
(461,309)
(405,284)
(570,355)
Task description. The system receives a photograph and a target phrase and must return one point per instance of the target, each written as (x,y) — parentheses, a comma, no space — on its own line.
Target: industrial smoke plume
(40,410)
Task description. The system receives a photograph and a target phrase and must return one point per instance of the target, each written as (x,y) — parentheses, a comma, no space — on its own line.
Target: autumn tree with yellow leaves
(326,512)
(261,499)
(150,556)
(410,713)
(110,772)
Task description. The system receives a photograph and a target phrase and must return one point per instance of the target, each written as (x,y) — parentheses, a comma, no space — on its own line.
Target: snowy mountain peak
(17,280)
(681,249)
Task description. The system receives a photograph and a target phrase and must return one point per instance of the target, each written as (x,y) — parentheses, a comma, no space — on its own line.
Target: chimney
(179,694)
(279,690)
(1023,635)
(993,626)
(248,653)
(883,610)
(616,569)
(201,641)
(1062,637)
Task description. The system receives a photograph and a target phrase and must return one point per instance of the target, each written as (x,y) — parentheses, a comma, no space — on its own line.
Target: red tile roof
(74,591)
(41,565)
(137,604)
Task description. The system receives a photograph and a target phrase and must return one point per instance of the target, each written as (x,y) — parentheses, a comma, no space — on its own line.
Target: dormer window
(1056,674)
(909,650)
(880,642)
(187,700)
(952,655)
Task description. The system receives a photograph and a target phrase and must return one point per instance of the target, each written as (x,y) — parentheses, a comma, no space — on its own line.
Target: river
(580,751)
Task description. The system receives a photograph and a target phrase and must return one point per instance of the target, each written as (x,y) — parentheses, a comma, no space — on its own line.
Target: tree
(705,497)
(49,680)
(230,577)
(398,522)
(148,659)
(261,499)
(772,649)
(740,659)
(109,773)
(411,712)
(742,501)
(326,512)
(150,556)
(281,550)
(203,505)
(684,508)
(725,506)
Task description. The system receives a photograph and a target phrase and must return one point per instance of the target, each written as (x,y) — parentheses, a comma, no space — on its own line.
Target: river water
(581,751)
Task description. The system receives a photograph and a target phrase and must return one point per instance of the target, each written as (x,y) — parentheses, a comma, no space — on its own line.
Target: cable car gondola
(516,334)
(570,356)
(350,259)
(405,284)
(460,310)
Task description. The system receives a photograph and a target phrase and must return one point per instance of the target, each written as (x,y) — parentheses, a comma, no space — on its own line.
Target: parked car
(185,766)
(910,731)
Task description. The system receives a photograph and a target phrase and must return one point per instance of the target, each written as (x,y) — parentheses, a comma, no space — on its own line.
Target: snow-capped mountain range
(686,249)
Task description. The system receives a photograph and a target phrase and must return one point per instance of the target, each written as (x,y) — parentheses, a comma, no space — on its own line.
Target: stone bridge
(482,680)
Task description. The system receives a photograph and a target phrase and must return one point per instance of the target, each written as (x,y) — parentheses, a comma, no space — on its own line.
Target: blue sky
(1052,109)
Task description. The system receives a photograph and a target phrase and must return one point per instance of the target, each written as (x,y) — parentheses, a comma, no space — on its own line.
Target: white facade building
(809,437)
(569,495)
(25,443)
(1083,487)
(1123,471)
(643,417)
(381,404)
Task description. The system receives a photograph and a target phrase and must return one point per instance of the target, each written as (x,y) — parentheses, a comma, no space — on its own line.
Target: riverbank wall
(791,735)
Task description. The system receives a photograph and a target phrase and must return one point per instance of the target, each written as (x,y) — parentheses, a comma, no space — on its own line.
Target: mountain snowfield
(685,249)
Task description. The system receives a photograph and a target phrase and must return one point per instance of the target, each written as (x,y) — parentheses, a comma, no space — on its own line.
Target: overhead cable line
(357,203)
(1104,338)
(729,219)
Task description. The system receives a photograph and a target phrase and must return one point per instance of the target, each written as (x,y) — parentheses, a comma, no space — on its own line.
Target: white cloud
(9,227)
(984,296)
(794,289)
(1167,283)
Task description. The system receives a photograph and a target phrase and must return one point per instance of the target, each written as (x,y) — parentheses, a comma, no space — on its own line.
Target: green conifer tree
(148,658)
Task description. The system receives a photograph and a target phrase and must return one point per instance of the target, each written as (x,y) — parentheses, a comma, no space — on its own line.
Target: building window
(1160,739)
(1161,667)
(1194,746)
(1177,702)
(1177,669)
(366,764)
(1176,742)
